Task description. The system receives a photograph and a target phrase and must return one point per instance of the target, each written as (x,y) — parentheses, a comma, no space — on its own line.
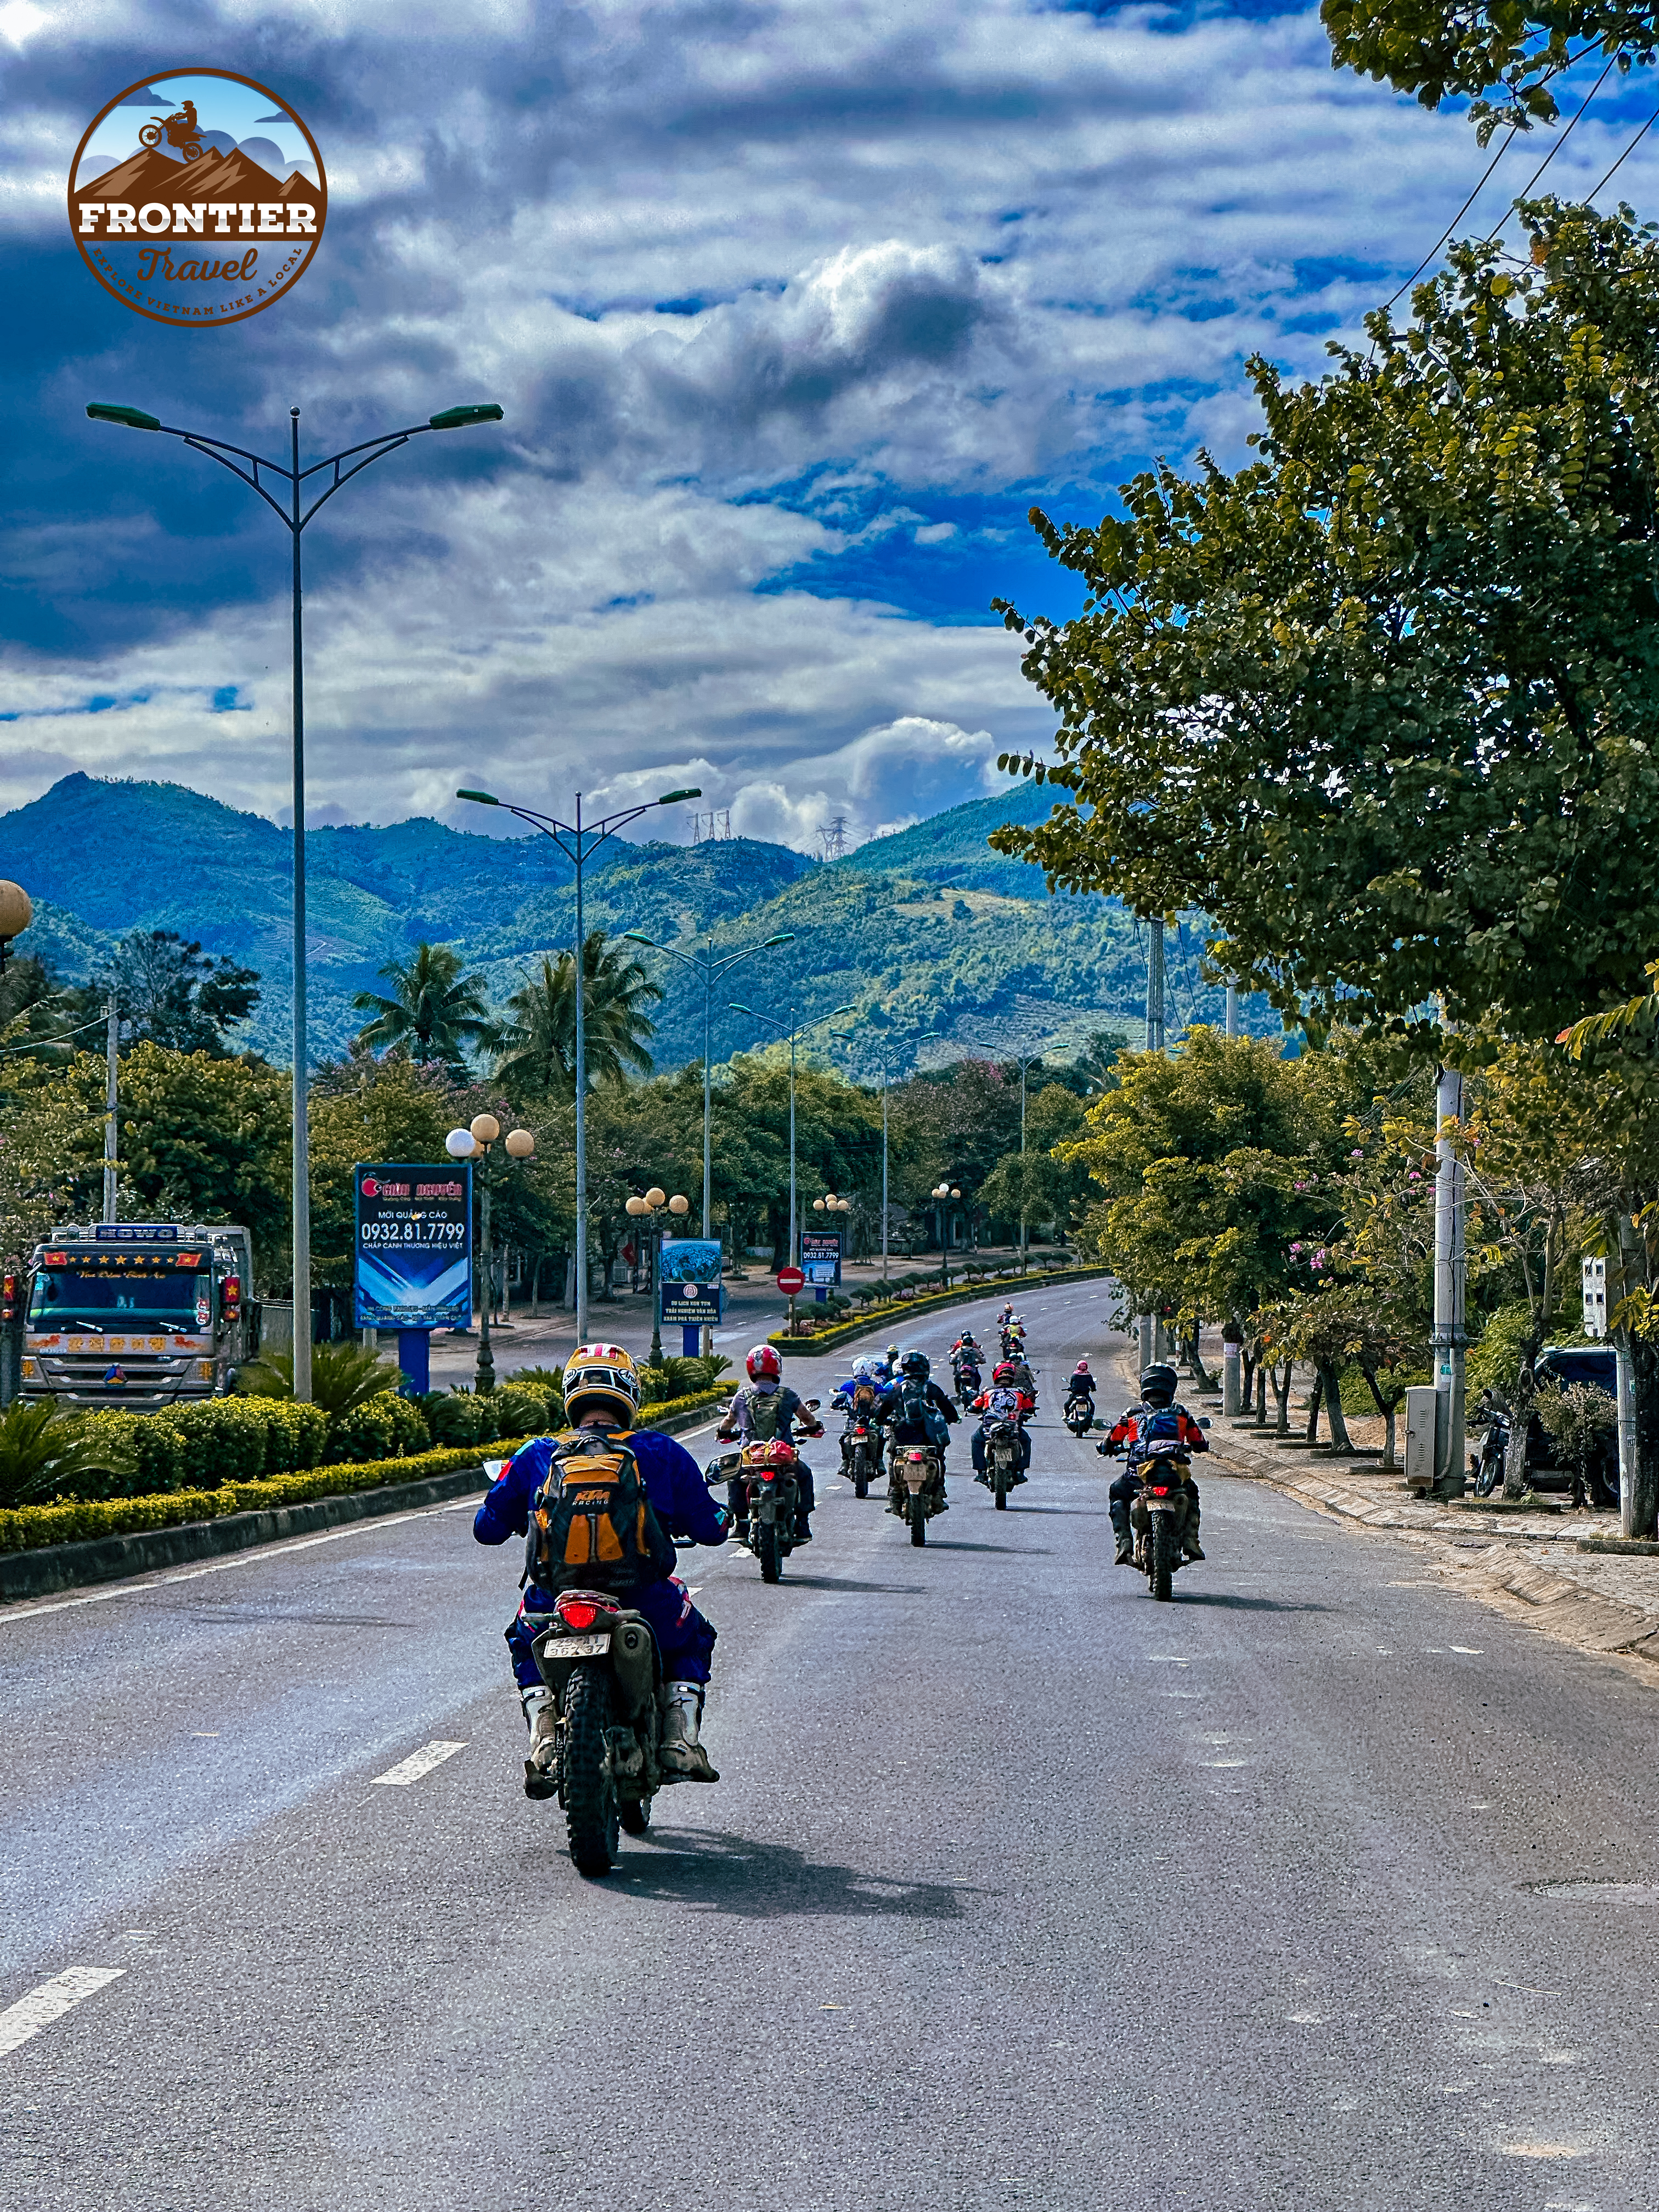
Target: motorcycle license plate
(576,1647)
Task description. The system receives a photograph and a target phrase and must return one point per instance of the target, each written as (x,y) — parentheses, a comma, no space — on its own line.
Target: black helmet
(915,1363)
(1158,1385)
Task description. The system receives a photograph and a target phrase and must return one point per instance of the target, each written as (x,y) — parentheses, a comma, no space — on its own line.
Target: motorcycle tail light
(577,1612)
(769,1475)
(1159,1489)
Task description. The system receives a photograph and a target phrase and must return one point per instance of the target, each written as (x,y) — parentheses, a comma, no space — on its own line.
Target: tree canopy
(536,1046)
(1385,702)
(172,994)
(433,1010)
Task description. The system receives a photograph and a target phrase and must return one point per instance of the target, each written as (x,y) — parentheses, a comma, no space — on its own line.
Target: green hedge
(71,1521)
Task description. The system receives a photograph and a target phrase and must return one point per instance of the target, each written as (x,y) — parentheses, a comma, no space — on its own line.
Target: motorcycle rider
(766,1410)
(1082,1385)
(602,1391)
(1004,1401)
(965,1353)
(915,1411)
(1157,1395)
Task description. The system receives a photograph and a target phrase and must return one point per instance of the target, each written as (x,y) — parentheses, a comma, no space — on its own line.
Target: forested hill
(928,924)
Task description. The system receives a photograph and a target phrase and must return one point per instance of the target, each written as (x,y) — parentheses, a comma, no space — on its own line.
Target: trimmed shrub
(296,1436)
(459,1417)
(520,1411)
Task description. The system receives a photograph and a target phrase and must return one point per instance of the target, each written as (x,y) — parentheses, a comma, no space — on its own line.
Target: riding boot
(1126,1542)
(541,1719)
(1190,1546)
(680,1753)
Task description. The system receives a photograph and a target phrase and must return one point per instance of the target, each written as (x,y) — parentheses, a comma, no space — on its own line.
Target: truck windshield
(142,1294)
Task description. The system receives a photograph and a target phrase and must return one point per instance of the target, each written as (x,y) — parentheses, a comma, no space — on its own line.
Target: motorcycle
(1078,1413)
(1013,1342)
(1002,1458)
(770,1475)
(916,1486)
(1158,1515)
(600,1660)
(860,1453)
(175,131)
(1486,1469)
(965,1376)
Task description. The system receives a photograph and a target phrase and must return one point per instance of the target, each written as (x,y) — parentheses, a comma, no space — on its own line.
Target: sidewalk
(1549,1570)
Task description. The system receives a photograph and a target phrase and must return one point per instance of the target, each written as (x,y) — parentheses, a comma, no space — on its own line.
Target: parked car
(1576,1363)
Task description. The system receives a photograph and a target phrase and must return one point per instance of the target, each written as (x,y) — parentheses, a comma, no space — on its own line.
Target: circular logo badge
(197,197)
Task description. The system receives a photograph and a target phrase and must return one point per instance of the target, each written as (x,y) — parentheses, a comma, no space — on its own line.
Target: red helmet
(1004,1371)
(763,1364)
(1081,1367)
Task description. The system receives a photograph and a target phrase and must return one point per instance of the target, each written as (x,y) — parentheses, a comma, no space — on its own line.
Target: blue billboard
(412,1253)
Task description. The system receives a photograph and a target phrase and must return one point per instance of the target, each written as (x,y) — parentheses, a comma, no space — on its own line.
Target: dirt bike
(1002,1458)
(176,133)
(601,1662)
(1078,1413)
(1158,1515)
(965,1376)
(860,1453)
(916,1484)
(770,1474)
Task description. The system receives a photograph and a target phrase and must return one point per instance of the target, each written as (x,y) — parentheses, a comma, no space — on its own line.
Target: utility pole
(1232,1006)
(1450,1272)
(112,1040)
(1155,985)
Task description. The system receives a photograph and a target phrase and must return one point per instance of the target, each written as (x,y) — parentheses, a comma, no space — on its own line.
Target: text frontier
(182,219)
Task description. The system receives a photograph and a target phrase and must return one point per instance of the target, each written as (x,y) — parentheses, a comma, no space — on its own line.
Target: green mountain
(925,930)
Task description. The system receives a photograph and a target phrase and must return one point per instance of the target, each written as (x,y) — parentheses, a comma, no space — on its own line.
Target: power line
(1626,155)
(1526,189)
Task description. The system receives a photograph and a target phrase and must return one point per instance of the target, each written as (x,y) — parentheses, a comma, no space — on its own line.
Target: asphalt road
(1018,1889)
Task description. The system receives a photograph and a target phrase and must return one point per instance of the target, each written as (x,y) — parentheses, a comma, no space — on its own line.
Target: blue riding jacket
(679,1497)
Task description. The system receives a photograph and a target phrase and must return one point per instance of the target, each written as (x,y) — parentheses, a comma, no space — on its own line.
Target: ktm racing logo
(197,197)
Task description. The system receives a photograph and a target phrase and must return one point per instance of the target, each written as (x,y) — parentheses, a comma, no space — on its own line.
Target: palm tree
(536,1046)
(434,1010)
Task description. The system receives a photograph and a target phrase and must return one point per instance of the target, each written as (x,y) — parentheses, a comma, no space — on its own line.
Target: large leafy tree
(172,993)
(433,1010)
(1385,702)
(1436,49)
(535,1046)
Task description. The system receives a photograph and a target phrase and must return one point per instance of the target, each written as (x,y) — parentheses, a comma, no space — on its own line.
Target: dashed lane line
(50,2002)
(419,1763)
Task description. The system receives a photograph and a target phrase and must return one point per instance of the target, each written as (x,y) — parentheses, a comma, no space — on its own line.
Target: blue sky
(794,310)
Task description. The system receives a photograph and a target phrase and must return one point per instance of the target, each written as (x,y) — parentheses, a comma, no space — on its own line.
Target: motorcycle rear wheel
(918,1509)
(999,1484)
(769,1551)
(860,1478)
(1163,1556)
(592,1817)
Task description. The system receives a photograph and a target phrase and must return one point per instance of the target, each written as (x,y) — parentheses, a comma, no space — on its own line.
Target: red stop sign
(790,1281)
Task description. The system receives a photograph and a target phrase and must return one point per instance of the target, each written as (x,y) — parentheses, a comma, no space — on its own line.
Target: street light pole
(791,1030)
(704,963)
(476,1143)
(847,1037)
(294,517)
(112,1099)
(578,842)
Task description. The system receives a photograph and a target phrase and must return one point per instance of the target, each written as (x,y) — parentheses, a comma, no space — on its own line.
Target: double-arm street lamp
(578,841)
(651,1208)
(889,1060)
(704,963)
(943,1195)
(792,1028)
(477,1142)
(300,499)
(1025,1061)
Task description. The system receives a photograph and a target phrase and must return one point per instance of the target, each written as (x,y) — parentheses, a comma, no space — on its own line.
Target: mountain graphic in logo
(187,225)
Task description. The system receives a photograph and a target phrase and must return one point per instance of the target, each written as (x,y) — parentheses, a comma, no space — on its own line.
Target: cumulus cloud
(793,311)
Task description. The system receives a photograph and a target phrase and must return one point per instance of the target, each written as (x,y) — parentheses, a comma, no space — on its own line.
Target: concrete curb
(110,1559)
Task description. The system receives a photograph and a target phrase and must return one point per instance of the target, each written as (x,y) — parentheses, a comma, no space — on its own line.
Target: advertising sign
(198,196)
(820,1256)
(413,1251)
(688,1282)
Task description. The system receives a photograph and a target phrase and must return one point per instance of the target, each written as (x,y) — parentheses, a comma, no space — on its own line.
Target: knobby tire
(634,1813)
(1163,1556)
(768,1551)
(918,1519)
(592,1815)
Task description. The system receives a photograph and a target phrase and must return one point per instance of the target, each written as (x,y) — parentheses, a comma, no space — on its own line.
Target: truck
(137,1315)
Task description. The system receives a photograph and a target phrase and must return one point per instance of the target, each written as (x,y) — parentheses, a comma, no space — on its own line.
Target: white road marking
(255,1556)
(50,2002)
(419,1763)
(1468,1650)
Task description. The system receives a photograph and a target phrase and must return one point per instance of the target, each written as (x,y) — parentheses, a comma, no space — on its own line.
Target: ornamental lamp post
(476,1143)
(294,516)
(16,913)
(945,1192)
(651,1208)
(578,842)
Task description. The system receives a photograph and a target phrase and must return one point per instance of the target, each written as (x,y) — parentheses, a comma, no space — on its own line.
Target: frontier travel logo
(197,197)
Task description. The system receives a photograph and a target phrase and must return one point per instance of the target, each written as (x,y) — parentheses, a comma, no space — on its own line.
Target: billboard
(689,1290)
(820,1257)
(412,1253)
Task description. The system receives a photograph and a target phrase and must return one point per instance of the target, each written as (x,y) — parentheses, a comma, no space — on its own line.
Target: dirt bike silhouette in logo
(178,131)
